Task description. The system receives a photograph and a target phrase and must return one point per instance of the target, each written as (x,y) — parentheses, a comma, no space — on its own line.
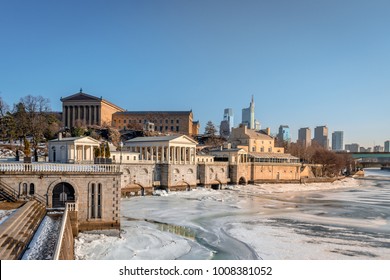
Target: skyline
(307,63)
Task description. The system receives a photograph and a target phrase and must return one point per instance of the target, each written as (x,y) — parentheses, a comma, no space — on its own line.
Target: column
(83,153)
(151,152)
(84,115)
(64,120)
(91,153)
(162,153)
(146,153)
(73,116)
(90,115)
(98,115)
(68,116)
(75,153)
(141,155)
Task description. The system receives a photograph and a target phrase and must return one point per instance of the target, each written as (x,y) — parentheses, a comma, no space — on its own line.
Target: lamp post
(121,146)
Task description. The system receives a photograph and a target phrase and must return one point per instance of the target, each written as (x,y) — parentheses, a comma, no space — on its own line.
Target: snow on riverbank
(153,227)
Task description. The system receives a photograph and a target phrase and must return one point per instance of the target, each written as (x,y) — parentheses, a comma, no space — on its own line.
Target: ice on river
(281,221)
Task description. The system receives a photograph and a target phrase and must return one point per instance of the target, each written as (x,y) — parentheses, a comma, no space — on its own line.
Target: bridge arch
(61,191)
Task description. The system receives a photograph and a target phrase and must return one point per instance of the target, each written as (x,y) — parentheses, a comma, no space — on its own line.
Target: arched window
(24,190)
(32,189)
(190,171)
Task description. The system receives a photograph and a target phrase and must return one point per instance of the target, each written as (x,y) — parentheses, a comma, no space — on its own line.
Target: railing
(8,190)
(69,207)
(58,167)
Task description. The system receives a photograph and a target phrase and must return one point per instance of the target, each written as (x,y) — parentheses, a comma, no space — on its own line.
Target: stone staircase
(7,193)
(18,230)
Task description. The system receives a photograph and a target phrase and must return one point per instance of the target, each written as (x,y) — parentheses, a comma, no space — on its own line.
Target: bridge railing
(58,168)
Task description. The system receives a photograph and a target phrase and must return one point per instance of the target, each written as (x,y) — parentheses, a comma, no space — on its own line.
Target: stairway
(18,230)
(7,193)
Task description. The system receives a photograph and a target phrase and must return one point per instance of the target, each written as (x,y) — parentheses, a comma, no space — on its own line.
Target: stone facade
(86,109)
(164,121)
(95,192)
(72,149)
(253,141)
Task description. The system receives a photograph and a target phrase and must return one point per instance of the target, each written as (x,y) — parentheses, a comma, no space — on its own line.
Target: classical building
(163,121)
(87,109)
(253,141)
(72,149)
(174,149)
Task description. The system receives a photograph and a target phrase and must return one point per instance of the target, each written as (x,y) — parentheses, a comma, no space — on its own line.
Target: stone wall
(216,173)
(81,183)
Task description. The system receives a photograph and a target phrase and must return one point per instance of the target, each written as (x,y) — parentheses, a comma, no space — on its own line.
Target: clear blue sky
(307,62)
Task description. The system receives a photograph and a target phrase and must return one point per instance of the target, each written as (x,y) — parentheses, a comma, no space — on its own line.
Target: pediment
(81,97)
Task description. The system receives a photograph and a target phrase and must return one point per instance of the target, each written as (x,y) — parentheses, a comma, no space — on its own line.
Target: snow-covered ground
(4,215)
(314,221)
(43,244)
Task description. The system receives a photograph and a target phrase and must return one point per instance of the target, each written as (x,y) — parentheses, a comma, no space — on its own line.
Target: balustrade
(56,167)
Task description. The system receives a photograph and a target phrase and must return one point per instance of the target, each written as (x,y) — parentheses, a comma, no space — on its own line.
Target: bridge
(88,194)
(374,159)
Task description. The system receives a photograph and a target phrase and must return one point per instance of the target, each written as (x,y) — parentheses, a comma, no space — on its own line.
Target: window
(124,121)
(135,157)
(128,157)
(32,189)
(171,121)
(177,121)
(113,157)
(177,129)
(93,215)
(96,201)
(140,121)
(166,121)
(171,128)
(99,201)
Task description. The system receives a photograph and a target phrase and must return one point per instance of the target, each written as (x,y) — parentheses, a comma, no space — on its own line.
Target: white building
(72,149)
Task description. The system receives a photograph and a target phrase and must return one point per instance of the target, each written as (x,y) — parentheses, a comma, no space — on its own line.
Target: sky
(308,63)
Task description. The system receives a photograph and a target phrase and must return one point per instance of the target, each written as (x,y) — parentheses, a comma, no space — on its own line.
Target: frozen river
(344,220)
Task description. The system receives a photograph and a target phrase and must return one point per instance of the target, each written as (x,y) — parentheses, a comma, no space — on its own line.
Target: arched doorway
(242,181)
(62,193)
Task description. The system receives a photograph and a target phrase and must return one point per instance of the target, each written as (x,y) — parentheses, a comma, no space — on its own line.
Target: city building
(321,136)
(248,115)
(365,150)
(253,141)
(227,123)
(387,146)
(180,122)
(284,134)
(84,109)
(304,136)
(378,149)
(337,140)
(352,148)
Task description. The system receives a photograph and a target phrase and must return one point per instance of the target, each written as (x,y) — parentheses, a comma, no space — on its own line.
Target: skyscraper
(284,133)
(387,146)
(337,140)
(321,136)
(248,115)
(227,122)
(304,136)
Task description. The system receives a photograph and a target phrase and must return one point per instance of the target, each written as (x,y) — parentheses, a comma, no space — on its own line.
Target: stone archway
(62,192)
(242,181)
